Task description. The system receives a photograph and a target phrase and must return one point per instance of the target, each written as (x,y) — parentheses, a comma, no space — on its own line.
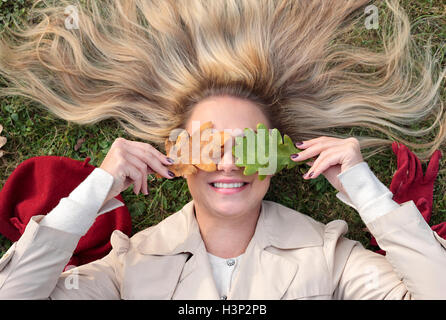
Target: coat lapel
(176,235)
(262,274)
(197,281)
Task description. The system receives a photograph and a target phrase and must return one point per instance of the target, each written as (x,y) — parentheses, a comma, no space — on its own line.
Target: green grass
(32,132)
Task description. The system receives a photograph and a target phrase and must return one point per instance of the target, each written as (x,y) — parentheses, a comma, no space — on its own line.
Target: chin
(230,208)
(223,204)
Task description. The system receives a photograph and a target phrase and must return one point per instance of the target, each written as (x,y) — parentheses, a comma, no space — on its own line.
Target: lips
(229,191)
(228,181)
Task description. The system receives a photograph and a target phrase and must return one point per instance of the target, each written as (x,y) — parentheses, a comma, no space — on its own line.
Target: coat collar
(261,273)
(277,226)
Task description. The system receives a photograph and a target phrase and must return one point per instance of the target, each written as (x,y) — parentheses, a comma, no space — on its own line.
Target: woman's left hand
(335,156)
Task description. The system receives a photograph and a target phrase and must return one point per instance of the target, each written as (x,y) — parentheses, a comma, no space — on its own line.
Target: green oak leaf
(264,151)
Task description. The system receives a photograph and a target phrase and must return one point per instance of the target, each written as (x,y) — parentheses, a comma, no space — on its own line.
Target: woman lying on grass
(156,66)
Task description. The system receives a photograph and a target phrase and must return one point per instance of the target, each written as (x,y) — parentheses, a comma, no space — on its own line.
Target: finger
(323,162)
(310,163)
(143,156)
(161,169)
(142,167)
(154,164)
(314,150)
(148,149)
(308,143)
(136,175)
(140,186)
(145,189)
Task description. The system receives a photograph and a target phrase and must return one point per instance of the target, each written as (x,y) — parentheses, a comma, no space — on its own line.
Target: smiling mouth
(228,185)
(229,189)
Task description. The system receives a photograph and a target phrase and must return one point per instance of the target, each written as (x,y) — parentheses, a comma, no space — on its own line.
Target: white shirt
(224,271)
(77,212)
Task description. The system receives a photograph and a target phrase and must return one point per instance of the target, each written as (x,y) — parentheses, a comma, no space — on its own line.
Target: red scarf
(409,183)
(37,185)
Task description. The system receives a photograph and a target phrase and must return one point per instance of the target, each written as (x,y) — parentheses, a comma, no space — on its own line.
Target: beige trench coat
(291,256)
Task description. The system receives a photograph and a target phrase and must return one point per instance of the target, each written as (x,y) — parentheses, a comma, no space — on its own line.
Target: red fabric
(37,185)
(409,183)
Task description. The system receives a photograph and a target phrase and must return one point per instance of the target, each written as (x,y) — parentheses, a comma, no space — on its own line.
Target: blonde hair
(146,63)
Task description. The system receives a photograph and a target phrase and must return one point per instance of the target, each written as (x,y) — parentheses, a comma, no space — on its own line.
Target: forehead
(227,113)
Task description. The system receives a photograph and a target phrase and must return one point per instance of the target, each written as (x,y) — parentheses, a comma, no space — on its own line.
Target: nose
(227,162)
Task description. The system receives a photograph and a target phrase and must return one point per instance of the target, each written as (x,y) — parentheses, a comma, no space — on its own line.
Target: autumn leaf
(264,151)
(210,140)
(252,151)
(2,142)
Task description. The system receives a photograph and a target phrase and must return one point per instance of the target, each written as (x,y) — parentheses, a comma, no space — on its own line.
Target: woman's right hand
(129,162)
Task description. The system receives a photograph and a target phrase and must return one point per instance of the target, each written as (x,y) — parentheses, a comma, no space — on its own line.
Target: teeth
(228,185)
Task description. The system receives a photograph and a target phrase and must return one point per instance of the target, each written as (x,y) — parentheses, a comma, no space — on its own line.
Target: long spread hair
(146,63)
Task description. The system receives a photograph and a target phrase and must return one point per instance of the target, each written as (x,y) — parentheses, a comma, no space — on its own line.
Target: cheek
(191,185)
(196,182)
(261,187)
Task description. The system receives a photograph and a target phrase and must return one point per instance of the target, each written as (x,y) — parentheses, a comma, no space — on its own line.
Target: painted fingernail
(169,160)
(171,173)
(299,143)
(308,175)
(294,156)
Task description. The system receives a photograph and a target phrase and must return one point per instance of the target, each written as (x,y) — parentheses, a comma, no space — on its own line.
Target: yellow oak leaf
(210,140)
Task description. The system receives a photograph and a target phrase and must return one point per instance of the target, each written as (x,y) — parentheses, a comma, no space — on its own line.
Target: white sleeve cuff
(369,196)
(77,212)
(341,196)
(110,205)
